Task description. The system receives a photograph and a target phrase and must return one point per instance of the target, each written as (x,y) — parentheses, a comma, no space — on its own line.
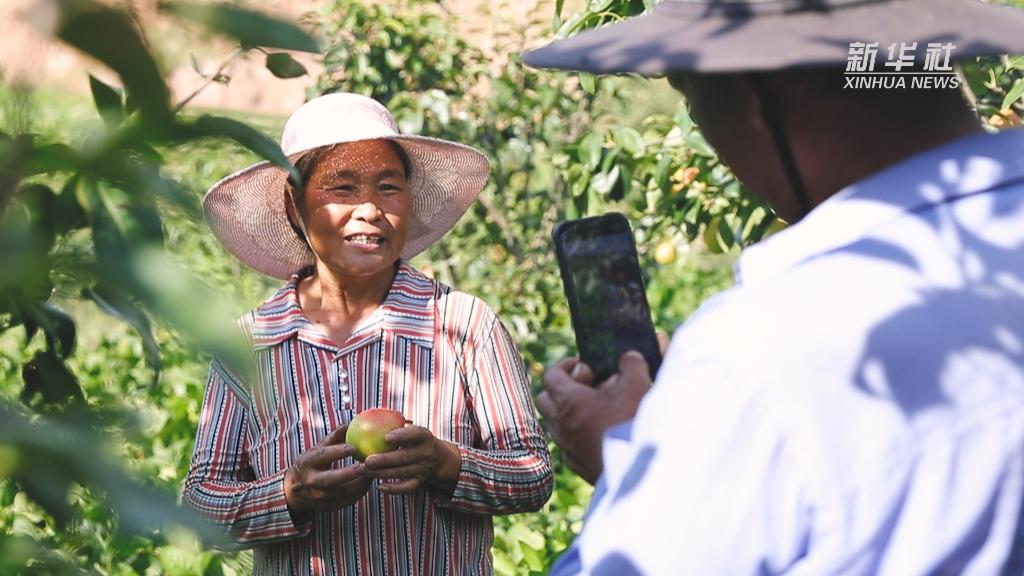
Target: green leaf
(556,19)
(624,184)
(58,326)
(46,484)
(249,28)
(1016,63)
(217,126)
(24,261)
(631,141)
(682,119)
(40,200)
(503,566)
(1013,95)
(144,177)
(109,35)
(762,227)
(661,172)
(282,65)
(54,454)
(67,214)
(711,239)
(603,182)
(108,102)
(115,302)
(589,150)
(527,536)
(107,232)
(50,158)
(47,377)
(609,159)
(192,307)
(196,67)
(696,142)
(725,233)
(746,217)
(588,82)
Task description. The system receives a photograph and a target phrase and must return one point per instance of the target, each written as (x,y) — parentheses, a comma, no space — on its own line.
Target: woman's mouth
(365,241)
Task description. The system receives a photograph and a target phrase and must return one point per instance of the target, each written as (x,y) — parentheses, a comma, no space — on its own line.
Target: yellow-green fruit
(367,430)
(665,253)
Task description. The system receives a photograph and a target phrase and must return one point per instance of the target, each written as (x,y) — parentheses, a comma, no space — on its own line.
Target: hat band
(695,9)
(334,131)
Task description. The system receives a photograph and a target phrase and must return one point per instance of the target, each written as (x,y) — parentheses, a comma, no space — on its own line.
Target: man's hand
(312,483)
(419,459)
(577,413)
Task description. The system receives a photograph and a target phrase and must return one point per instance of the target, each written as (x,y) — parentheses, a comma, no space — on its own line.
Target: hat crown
(336,118)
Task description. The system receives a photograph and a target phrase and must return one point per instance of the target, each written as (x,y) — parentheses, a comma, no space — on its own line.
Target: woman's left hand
(418,459)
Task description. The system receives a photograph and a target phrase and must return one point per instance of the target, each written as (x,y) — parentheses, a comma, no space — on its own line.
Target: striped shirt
(439,356)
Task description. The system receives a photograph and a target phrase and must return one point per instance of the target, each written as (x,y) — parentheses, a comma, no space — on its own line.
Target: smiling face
(357,207)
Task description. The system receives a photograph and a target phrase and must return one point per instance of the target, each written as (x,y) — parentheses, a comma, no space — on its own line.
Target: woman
(355,327)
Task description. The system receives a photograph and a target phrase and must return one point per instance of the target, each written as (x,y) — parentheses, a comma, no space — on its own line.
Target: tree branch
(209,79)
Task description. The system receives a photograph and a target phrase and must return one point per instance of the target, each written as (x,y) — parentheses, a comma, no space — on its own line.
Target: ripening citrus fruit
(665,253)
(684,177)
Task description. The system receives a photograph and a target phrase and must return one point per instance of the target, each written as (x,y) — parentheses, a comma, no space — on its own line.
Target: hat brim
(673,38)
(247,210)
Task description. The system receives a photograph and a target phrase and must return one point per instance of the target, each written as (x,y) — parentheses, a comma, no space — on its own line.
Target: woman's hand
(311,483)
(418,459)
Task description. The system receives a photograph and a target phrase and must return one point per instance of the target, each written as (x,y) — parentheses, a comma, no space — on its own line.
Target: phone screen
(606,294)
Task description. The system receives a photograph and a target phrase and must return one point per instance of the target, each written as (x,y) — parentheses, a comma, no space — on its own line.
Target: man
(855,405)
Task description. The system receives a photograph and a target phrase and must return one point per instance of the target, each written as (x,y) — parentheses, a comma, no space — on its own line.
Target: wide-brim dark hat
(712,36)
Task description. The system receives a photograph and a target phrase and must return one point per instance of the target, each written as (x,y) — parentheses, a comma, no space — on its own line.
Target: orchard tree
(85,219)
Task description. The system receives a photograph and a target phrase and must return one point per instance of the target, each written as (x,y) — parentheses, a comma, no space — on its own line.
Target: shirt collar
(968,165)
(407,311)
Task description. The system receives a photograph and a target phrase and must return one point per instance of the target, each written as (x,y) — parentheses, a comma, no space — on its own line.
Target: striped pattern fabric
(439,356)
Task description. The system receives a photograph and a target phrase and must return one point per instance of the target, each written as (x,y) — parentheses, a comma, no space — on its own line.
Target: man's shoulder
(797,332)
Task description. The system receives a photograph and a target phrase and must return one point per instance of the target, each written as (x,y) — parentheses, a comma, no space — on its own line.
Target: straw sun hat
(247,210)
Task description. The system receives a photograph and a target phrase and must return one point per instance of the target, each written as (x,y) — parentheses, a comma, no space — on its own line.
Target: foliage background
(561,145)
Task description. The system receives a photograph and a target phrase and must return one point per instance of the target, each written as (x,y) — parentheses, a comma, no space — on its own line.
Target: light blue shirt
(854,406)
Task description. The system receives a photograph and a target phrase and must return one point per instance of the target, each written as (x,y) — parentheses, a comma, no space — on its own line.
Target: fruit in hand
(367,430)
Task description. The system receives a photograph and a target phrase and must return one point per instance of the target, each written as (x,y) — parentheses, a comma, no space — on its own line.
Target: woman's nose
(367,211)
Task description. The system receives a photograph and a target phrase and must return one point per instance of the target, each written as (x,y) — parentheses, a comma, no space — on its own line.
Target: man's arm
(705,479)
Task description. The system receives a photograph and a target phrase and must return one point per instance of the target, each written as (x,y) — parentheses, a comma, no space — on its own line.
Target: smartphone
(605,289)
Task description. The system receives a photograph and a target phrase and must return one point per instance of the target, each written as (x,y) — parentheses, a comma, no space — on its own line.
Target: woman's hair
(295,194)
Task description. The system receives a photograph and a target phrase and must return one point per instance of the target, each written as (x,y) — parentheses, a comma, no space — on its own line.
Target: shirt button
(344,387)
(347,399)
